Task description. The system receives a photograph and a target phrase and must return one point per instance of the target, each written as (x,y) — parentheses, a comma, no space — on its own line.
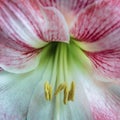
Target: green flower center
(63,57)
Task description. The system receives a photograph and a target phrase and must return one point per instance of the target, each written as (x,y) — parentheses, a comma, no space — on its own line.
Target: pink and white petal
(19,22)
(69,8)
(17,57)
(24,28)
(32,24)
(106,63)
(15,95)
(55,26)
(16,91)
(93,24)
(98,31)
(104,101)
(70,5)
(105,55)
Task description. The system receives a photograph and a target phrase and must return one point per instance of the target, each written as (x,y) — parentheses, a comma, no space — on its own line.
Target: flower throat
(63,57)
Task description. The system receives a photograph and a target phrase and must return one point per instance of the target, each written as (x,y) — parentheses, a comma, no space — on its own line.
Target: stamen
(71,92)
(60,88)
(48,91)
(66,92)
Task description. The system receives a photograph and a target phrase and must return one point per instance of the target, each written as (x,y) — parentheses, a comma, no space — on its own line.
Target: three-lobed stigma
(68,93)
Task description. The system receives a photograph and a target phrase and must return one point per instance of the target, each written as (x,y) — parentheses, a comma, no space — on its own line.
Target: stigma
(68,92)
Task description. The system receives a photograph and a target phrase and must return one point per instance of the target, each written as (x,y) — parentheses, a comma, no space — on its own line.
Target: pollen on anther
(66,92)
(48,91)
(60,88)
(71,92)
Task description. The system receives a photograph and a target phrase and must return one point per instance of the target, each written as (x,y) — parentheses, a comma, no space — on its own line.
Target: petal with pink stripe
(69,8)
(18,21)
(24,29)
(106,62)
(17,57)
(74,6)
(98,30)
(102,97)
(31,23)
(104,100)
(94,23)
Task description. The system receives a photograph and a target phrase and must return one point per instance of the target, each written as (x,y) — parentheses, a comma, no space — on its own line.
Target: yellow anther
(48,91)
(66,92)
(60,88)
(71,92)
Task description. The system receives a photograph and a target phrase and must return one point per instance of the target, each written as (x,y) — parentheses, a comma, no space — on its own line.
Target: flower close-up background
(59,59)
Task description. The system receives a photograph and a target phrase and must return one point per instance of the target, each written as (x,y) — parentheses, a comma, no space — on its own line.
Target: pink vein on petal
(69,8)
(19,22)
(99,30)
(106,62)
(69,5)
(104,103)
(55,26)
(17,57)
(30,25)
(94,23)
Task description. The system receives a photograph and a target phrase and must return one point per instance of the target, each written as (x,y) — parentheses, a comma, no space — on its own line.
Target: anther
(66,92)
(60,88)
(48,91)
(71,92)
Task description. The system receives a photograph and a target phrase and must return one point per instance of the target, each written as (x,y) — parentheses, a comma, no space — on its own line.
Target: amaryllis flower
(59,59)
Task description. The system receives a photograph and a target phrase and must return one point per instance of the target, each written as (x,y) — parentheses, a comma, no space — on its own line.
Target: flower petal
(99,34)
(104,103)
(94,23)
(106,62)
(71,5)
(18,21)
(39,107)
(32,24)
(17,57)
(56,109)
(24,27)
(103,97)
(53,25)
(69,8)
(15,95)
